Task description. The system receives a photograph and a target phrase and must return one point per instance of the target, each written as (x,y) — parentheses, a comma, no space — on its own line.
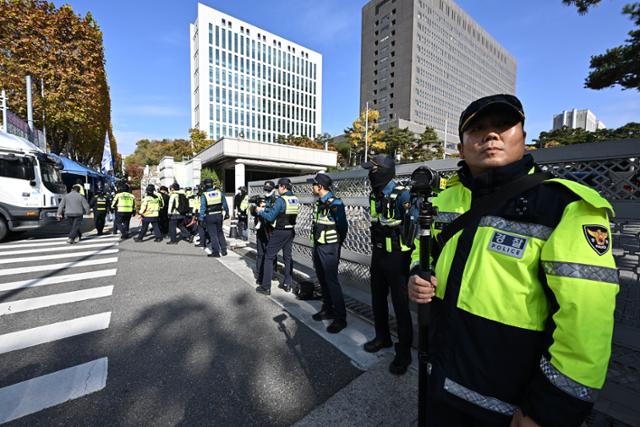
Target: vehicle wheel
(3,229)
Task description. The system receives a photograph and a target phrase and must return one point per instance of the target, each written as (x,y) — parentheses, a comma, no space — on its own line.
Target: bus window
(18,168)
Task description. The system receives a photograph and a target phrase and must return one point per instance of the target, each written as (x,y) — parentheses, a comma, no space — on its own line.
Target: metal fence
(612,168)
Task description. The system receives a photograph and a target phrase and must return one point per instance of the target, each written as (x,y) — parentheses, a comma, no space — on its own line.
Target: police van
(30,185)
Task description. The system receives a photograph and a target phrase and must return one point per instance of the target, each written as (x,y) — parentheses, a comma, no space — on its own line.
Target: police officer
(163,218)
(282,215)
(100,204)
(524,291)
(328,232)
(264,229)
(212,205)
(390,260)
(124,205)
(176,218)
(150,211)
(240,205)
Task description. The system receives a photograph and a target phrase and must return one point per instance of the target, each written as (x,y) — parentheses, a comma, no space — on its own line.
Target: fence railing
(612,168)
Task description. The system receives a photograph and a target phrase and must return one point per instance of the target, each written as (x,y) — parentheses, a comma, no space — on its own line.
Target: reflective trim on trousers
(486,402)
(566,384)
(581,271)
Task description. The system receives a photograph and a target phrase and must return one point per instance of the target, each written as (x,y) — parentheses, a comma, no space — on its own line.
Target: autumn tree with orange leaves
(65,52)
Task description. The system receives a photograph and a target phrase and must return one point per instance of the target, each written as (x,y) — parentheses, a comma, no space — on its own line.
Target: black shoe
(336,326)
(224,253)
(323,315)
(377,344)
(263,291)
(171,243)
(135,239)
(214,255)
(159,239)
(401,362)
(286,288)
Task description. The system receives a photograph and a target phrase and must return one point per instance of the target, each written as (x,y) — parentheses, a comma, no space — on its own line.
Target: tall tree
(399,143)
(65,52)
(150,152)
(619,65)
(357,132)
(430,146)
(569,136)
(199,140)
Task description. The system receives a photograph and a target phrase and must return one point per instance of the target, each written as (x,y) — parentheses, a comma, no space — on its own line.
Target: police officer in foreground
(263,229)
(100,204)
(124,205)
(390,260)
(524,291)
(328,232)
(176,218)
(212,205)
(282,215)
(150,211)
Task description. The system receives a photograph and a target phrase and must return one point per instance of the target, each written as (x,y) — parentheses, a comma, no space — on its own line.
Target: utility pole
(44,117)
(366,132)
(5,128)
(29,109)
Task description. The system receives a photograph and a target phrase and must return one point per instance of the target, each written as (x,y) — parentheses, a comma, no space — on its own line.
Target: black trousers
(262,240)
(154,225)
(280,239)
(99,218)
(177,221)
(325,261)
(163,222)
(76,222)
(389,274)
(121,223)
(203,233)
(214,227)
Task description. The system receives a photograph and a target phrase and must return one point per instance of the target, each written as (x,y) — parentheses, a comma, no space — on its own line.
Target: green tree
(210,173)
(150,152)
(430,146)
(399,143)
(619,65)
(199,140)
(356,136)
(568,136)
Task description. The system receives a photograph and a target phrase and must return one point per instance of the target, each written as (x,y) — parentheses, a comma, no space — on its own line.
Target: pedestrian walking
(150,211)
(73,206)
(178,208)
(100,203)
(124,205)
(163,217)
(212,207)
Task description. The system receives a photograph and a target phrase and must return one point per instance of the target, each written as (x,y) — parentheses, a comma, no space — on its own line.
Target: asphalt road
(125,333)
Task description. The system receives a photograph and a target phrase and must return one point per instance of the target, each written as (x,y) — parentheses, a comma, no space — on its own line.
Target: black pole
(425,220)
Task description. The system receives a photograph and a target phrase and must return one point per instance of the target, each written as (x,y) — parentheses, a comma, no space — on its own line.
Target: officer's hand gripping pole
(423,181)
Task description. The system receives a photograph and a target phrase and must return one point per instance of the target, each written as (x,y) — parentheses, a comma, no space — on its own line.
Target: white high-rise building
(250,84)
(575,119)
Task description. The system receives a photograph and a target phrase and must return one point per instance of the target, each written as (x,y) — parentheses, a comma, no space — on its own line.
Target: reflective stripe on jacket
(385,225)
(287,218)
(124,202)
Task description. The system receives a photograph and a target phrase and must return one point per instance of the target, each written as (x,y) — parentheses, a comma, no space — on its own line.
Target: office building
(424,61)
(250,84)
(574,119)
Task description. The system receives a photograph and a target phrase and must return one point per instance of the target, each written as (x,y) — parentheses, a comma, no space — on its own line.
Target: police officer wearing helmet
(150,212)
(124,205)
(263,228)
(176,218)
(100,204)
(212,204)
(390,261)
(282,215)
(329,230)
(524,289)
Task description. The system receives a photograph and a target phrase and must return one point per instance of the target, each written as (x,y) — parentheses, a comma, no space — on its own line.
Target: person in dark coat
(73,206)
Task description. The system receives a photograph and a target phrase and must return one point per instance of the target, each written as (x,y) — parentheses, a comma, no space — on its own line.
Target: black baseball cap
(501,101)
(284,181)
(321,179)
(379,161)
(268,186)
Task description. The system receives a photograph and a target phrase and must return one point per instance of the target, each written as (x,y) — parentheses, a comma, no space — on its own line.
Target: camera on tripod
(424,181)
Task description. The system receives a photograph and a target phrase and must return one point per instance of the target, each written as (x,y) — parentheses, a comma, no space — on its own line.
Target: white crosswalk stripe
(35,260)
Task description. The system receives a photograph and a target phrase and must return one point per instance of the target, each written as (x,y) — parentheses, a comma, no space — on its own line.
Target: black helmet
(151,189)
(208,182)
(175,186)
(268,186)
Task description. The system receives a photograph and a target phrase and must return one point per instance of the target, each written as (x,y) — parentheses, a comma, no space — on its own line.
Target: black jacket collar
(494,178)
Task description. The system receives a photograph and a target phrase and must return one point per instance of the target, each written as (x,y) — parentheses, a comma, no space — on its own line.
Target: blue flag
(107,161)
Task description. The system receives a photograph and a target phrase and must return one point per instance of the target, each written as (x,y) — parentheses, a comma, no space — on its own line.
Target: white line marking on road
(59,266)
(60,248)
(53,332)
(52,389)
(88,237)
(19,306)
(28,243)
(58,256)
(65,278)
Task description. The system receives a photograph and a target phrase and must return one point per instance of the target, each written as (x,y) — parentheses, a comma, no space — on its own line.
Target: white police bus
(30,185)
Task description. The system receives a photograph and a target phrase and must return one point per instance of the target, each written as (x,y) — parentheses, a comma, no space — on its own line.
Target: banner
(107,161)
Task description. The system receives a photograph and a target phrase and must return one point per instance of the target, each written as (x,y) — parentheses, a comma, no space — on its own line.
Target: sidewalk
(374,398)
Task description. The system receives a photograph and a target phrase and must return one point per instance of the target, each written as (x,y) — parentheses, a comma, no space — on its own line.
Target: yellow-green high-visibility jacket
(174,196)
(214,201)
(525,299)
(244,204)
(194,203)
(151,206)
(329,221)
(385,225)
(124,202)
(287,218)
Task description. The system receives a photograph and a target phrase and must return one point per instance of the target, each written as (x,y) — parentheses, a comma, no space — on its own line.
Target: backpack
(183,204)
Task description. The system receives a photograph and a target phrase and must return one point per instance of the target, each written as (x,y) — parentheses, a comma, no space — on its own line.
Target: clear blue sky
(147,52)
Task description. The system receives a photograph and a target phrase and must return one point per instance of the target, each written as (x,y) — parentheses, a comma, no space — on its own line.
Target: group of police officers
(523,292)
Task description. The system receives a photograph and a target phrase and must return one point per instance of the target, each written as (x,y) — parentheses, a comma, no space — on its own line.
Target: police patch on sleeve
(508,244)
(598,238)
